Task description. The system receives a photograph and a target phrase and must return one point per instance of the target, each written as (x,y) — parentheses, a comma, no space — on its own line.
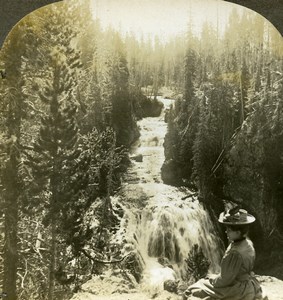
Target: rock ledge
(115,287)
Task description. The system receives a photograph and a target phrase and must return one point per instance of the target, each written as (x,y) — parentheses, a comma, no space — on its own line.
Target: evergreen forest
(70,101)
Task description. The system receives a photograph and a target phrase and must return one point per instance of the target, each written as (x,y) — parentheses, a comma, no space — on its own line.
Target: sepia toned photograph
(141,152)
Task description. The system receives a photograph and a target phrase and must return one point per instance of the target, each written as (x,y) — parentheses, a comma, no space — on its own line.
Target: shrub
(197,263)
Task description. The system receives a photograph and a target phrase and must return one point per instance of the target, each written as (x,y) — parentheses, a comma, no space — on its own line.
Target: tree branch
(103,261)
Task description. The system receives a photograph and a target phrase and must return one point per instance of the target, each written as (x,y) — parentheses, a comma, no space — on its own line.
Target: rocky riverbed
(115,286)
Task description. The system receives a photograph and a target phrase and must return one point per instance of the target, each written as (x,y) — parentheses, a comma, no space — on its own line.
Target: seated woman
(236,280)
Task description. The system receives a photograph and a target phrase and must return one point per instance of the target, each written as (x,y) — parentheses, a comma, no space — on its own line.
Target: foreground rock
(117,287)
(134,296)
(272,287)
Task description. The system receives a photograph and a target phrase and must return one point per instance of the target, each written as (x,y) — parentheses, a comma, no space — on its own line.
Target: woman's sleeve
(230,266)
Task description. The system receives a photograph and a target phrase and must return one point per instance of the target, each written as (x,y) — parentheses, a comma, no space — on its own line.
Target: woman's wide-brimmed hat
(236,216)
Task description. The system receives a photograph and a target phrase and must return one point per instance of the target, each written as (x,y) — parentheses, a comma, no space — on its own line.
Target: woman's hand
(211,276)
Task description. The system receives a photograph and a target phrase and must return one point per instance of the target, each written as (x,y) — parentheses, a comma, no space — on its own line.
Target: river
(162,221)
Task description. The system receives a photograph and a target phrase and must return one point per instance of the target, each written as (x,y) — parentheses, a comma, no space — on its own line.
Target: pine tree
(190,74)
(113,77)
(100,163)
(183,123)
(244,86)
(12,115)
(55,147)
(187,118)
(121,107)
(215,129)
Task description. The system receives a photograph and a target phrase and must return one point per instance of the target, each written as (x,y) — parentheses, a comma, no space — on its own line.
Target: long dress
(236,280)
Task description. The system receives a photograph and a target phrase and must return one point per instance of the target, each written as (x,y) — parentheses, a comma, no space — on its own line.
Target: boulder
(170,173)
(164,261)
(137,158)
(272,287)
(170,286)
(151,107)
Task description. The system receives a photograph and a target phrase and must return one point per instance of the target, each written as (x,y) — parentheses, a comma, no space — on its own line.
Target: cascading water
(162,221)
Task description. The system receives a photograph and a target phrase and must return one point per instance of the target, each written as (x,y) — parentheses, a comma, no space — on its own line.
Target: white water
(166,225)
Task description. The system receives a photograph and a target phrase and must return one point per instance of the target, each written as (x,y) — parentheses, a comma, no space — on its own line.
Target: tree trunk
(242,116)
(53,223)
(11,229)
(52,266)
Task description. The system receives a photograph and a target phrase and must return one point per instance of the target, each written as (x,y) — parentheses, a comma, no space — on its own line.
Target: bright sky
(162,17)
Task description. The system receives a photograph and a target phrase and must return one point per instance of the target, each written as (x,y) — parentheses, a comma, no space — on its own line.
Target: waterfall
(162,221)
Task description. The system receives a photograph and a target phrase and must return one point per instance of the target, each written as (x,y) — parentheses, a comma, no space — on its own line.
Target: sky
(161,17)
